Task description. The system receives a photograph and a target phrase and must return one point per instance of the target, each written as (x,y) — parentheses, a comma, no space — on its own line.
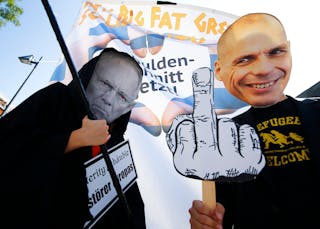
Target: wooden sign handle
(209,193)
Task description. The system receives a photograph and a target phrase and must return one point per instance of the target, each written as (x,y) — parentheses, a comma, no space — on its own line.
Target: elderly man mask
(114,86)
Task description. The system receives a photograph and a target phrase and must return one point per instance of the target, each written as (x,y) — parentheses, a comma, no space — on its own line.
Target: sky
(35,37)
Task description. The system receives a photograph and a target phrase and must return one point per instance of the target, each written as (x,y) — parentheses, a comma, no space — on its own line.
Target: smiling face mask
(114,85)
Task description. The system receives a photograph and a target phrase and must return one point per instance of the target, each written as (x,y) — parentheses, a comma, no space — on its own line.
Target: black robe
(41,186)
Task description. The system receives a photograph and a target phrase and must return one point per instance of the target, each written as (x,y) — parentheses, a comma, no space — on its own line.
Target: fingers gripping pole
(75,76)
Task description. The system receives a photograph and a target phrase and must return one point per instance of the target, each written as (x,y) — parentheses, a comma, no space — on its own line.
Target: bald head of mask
(114,85)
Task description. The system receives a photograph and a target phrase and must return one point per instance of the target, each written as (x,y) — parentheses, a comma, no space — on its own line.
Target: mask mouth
(109,113)
(96,107)
(98,111)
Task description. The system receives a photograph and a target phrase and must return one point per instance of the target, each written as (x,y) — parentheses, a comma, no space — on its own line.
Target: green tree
(9,12)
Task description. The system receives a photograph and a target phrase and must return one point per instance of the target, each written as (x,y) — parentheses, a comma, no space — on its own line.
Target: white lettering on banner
(102,194)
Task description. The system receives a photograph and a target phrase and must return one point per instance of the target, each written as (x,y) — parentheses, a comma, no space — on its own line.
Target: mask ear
(289,44)
(217,70)
(86,71)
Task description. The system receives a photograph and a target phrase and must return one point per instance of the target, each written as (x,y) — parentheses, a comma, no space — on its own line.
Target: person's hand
(91,133)
(208,148)
(204,217)
(94,132)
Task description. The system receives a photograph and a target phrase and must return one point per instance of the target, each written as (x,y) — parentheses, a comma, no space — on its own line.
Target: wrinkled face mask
(114,86)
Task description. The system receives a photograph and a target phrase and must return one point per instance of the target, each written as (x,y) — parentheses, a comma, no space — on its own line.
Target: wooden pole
(209,193)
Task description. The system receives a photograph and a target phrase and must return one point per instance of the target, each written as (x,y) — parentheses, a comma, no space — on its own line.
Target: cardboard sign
(208,147)
(101,192)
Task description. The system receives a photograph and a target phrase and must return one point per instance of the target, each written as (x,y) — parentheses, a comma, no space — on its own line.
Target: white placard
(101,192)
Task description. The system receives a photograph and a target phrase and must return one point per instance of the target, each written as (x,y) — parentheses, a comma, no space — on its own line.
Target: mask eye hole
(105,84)
(122,98)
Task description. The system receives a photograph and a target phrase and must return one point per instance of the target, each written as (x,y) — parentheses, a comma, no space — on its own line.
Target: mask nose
(262,66)
(109,98)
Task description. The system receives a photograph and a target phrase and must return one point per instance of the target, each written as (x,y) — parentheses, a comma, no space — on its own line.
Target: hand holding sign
(207,148)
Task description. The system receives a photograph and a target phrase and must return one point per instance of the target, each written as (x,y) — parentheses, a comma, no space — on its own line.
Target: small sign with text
(101,192)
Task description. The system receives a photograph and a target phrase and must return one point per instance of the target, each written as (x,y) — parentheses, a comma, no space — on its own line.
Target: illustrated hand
(144,117)
(208,148)
(202,216)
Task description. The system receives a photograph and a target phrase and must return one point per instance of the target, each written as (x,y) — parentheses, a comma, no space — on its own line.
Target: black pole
(14,96)
(81,90)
